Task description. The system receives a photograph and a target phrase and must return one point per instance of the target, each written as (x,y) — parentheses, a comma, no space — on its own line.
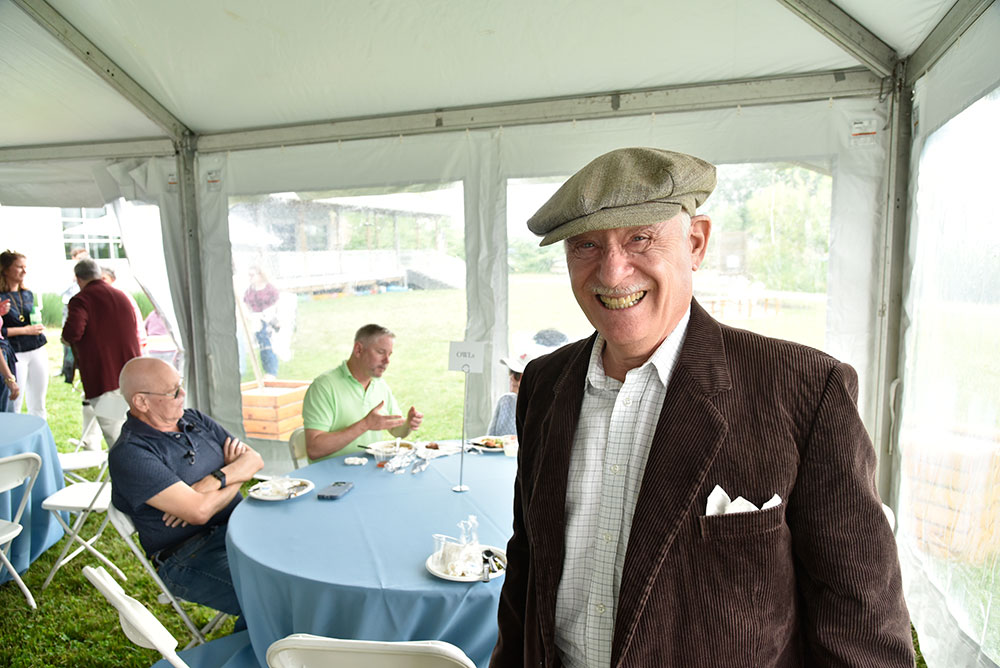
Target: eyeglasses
(173,395)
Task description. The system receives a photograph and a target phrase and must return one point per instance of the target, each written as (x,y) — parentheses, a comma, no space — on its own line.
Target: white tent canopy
(184,104)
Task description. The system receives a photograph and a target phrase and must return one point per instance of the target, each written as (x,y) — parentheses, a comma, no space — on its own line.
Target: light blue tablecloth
(27,433)
(354,568)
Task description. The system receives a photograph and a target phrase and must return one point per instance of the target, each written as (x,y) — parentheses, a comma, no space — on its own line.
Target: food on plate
(432,446)
(494,442)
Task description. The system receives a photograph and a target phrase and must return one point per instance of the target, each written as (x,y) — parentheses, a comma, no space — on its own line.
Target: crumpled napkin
(719,503)
(461,560)
(355,461)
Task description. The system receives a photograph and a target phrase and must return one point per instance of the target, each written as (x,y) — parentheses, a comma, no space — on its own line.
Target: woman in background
(262,297)
(25,337)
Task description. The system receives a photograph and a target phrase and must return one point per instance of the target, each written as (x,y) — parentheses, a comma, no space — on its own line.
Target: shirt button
(614,468)
(600,608)
(607,538)
(627,401)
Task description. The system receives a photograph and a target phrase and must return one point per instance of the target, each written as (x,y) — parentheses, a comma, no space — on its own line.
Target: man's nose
(615,266)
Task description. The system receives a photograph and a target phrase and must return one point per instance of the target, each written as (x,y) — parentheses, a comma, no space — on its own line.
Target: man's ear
(357,349)
(140,403)
(701,229)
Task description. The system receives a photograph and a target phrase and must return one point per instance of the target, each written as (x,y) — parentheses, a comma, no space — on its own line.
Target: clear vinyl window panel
(949,436)
(767,263)
(311,268)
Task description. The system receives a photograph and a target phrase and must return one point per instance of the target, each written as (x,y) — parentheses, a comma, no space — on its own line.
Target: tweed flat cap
(624,188)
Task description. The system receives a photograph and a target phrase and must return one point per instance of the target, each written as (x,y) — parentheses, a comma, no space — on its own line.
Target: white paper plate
(478,441)
(443,450)
(276,489)
(435,571)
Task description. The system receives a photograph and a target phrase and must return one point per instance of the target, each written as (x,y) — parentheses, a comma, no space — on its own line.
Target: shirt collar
(662,359)
(137,425)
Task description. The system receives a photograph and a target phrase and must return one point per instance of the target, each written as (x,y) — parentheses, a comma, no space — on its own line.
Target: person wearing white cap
(503,422)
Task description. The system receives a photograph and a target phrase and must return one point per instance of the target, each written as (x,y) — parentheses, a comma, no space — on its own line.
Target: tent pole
(197,361)
(890,300)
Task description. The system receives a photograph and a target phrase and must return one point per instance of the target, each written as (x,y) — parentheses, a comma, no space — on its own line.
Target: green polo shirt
(336,400)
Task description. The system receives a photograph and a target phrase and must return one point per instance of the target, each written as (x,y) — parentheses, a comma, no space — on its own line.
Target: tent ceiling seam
(88,53)
(126,148)
(847,33)
(693,97)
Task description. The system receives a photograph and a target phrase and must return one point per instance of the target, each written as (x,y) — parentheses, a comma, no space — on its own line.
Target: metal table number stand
(467,357)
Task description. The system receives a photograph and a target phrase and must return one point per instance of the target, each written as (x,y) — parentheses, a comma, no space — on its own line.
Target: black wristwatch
(220,476)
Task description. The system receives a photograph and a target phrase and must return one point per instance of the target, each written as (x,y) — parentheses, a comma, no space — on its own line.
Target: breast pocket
(738,525)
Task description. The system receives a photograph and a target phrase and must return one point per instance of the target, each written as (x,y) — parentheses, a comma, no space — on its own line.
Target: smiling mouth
(623,302)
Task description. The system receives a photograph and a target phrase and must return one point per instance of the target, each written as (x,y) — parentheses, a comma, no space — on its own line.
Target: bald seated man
(177,474)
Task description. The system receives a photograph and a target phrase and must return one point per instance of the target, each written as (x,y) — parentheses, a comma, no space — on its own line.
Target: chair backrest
(302,650)
(297,445)
(14,470)
(122,522)
(138,623)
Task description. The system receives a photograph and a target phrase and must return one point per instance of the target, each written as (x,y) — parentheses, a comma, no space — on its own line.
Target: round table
(28,433)
(354,567)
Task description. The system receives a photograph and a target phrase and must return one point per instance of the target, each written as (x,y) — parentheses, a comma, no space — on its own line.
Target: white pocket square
(719,503)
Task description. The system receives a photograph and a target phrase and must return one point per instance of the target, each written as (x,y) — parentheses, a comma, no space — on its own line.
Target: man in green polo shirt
(347,407)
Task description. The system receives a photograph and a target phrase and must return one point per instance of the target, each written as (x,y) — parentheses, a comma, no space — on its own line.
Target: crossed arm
(196,504)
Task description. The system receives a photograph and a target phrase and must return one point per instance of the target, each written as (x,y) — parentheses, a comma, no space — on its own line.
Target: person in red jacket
(101,328)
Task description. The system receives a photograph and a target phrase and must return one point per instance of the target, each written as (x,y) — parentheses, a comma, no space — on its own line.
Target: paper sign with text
(466,356)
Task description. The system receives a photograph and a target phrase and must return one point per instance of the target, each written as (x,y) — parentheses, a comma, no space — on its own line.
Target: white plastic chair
(126,529)
(15,471)
(302,650)
(297,445)
(138,623)
(79,460)
(82,499)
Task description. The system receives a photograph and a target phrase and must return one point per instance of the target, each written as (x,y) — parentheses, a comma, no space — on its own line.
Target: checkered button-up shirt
(610,449)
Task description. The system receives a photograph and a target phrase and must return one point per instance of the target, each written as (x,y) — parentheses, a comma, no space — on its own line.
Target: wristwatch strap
(220,476)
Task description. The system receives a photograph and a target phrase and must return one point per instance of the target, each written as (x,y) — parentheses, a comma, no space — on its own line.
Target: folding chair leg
(198,636)
(74,536)
(18,580)
(214,623)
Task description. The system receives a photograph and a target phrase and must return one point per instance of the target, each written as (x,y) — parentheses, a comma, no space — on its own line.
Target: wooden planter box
(274,410)
(954,494)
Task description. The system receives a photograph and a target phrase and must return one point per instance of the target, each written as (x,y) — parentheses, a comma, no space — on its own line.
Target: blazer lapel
(689,435)
(546,512)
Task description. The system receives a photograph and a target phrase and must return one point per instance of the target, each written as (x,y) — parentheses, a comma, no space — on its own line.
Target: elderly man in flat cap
(688,494)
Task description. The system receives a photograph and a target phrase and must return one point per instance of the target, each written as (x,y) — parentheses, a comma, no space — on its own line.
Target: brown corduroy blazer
(813,582)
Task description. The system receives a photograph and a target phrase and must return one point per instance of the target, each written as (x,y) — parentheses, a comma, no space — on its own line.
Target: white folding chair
(302,650)
(80,460)
(82,499)
(15,471)
(126,529)
(297,445)
(139,624)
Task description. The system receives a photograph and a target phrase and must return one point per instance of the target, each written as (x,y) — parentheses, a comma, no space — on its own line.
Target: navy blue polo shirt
(145,461)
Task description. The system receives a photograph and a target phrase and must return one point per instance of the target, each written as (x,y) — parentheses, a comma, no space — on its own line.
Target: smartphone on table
(335,490)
